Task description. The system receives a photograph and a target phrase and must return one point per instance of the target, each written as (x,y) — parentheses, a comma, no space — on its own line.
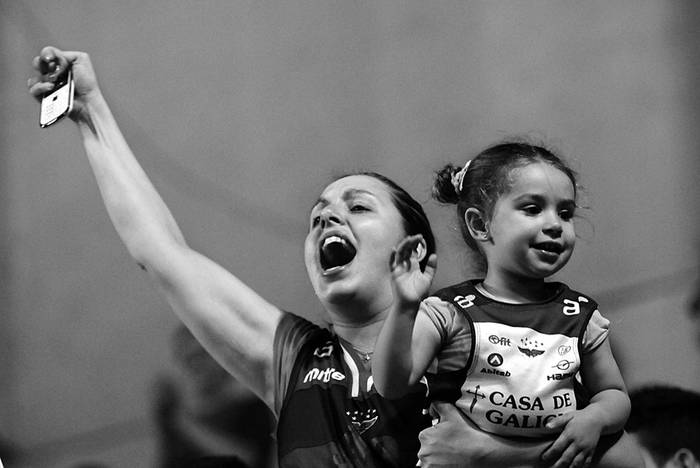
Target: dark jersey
(330,414)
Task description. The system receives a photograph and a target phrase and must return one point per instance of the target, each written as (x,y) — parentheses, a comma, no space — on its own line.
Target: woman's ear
(421,250)
(684,458)
(477,224)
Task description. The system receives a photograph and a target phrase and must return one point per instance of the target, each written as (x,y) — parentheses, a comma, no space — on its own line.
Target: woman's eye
(356,208)
(315,220)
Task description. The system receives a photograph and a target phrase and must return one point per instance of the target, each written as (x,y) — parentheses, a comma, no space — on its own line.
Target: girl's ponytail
(444,189)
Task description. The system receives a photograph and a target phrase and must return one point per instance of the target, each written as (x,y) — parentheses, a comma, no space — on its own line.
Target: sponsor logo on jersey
(495,359)
(531,348)
(563,365)
(525,411)
(484,370)
(499,340)
(325,375)
(560,376)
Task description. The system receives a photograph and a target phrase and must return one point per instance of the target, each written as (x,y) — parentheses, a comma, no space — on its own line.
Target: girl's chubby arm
(233,322)
(606,413)
(408,340)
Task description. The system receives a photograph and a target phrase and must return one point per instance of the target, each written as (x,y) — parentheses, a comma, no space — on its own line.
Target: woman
(315,380)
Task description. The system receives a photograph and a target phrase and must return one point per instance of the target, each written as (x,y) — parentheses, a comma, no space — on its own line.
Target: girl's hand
(411,284)
(51,63)
(576,445)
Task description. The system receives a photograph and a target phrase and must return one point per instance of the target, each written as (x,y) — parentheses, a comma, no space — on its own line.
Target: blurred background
(241,111)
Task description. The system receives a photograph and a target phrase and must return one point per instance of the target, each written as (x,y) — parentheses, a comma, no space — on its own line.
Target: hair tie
(458,177)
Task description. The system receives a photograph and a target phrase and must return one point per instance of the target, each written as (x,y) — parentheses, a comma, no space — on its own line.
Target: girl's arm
(234,323)
(606,413)
(408,340)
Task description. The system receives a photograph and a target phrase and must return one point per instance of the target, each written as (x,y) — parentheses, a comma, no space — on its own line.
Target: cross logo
(477,395)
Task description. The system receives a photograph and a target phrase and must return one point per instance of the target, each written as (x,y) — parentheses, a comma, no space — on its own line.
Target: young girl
(508,348)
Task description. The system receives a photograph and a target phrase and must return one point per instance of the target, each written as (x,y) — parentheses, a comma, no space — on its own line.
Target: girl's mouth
(549,247)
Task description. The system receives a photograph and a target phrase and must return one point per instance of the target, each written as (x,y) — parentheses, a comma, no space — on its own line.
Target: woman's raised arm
(231,320)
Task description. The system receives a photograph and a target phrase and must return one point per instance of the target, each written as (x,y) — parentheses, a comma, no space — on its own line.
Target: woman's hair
(488,176)
(665,419)
(415,220)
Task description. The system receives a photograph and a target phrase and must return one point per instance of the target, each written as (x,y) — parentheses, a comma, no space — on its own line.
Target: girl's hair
(488,176)
(415,221)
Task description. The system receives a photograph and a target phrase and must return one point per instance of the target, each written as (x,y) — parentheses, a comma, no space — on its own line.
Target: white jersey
(520,367)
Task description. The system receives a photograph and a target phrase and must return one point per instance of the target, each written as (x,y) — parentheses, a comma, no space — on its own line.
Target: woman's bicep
(235,324)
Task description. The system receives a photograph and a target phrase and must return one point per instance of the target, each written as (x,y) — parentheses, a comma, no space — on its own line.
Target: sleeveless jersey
(524,358)
(332,416)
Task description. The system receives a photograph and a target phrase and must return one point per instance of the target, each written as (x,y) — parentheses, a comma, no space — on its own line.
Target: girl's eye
(531,209)
(356,208)
(315,220)
(566,215)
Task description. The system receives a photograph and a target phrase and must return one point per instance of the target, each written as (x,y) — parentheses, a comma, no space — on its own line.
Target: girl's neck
(516,290)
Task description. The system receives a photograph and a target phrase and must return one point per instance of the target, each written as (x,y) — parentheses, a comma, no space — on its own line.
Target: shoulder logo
(465,301)
(571,307)
(325,350)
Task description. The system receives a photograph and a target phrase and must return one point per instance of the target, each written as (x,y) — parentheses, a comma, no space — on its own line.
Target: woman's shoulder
(295,331)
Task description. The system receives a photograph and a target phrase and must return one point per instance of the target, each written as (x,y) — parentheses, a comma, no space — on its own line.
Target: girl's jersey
(330,414)
(511,368)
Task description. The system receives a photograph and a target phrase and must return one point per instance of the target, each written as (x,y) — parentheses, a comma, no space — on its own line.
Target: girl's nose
(552,225)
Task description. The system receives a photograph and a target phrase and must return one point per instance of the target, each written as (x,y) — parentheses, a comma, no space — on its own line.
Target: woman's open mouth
(335,252)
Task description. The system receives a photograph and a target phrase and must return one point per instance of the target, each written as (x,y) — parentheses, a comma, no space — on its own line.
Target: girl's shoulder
(566,294)
(464,288)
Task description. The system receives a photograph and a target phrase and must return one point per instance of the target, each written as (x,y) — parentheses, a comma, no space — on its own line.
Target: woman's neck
(516,289)
(360,330)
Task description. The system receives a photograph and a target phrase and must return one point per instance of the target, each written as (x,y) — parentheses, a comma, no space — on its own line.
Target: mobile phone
(58,102)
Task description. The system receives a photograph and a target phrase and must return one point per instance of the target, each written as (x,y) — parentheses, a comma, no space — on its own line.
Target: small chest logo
(363,420)
(531,348)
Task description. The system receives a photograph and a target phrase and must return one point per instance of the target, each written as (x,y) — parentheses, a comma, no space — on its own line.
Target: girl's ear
(477,225)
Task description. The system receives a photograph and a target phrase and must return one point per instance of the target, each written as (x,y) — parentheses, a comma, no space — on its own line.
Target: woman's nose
(329,217)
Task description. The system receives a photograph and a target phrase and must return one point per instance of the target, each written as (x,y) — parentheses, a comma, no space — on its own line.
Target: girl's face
(353,228)
(531,231)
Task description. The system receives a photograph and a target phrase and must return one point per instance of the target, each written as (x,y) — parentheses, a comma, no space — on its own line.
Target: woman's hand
(51,63)
(457,442)
(411,284)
